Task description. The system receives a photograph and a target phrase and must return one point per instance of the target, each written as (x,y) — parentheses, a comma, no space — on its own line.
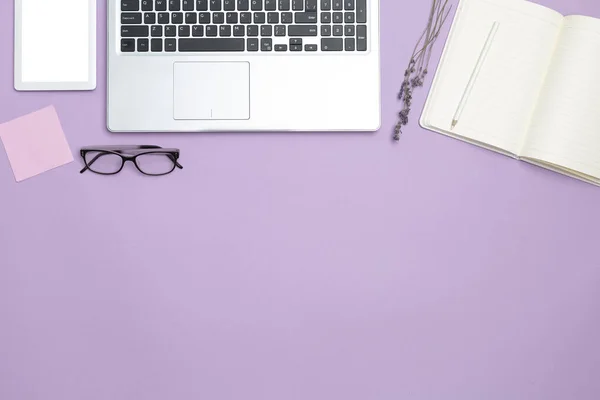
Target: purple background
(297,266)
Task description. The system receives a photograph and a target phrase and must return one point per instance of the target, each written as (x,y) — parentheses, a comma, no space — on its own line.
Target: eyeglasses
(149,160)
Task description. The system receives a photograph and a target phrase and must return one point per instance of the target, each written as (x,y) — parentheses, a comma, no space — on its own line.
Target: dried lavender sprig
(433,10)
(412,61)
(434,7)
(426,34)
(437,32)
(417,56)
(409,71)
(433,32)
(417,69)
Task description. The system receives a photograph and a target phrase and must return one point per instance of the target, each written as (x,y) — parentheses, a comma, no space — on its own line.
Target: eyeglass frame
(138,150)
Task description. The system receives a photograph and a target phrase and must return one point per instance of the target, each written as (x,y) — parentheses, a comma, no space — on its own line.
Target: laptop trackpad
(211,90)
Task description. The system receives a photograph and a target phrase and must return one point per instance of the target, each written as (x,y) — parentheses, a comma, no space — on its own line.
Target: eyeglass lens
(103,162)
(155,163)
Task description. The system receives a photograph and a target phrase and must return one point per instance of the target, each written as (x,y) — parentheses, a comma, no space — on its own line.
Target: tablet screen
(55,41)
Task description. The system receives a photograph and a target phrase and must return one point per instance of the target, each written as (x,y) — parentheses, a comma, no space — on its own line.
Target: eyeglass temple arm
(88,165)
(175,161)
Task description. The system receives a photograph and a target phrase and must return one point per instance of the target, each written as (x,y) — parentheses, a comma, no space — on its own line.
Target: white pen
(480,61)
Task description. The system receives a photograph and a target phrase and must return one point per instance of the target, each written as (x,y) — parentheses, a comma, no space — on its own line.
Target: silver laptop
(243,65)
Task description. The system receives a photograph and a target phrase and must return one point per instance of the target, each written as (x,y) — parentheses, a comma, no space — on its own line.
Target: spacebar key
(225,44)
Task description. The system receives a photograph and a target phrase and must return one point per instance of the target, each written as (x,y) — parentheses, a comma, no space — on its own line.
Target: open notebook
(536,95)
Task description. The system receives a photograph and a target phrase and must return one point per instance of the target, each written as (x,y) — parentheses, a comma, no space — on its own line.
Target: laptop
(243,65)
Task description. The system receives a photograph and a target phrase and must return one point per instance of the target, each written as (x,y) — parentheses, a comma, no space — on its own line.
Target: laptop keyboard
(282,26)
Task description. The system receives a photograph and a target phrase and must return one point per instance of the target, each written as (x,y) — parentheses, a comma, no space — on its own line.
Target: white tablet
(55,45)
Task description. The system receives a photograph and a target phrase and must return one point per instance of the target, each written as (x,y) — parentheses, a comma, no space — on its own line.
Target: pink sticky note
(35,143)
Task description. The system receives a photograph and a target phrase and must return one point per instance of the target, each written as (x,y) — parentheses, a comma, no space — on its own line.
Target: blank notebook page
(57,44)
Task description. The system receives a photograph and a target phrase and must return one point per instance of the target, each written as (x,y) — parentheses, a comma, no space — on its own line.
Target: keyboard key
(218,18)
(266,30)
(281,47)
(215,5)
(256,5)
(349,17)
(170,31)
(229,5)
(348,4)
(252,30)
(197,30)
(287,18)
(201,5)
(204,18)
(211,30)
(338,17)
(284,5)
(221,44)
(156,31)
(349,30)
(231,18)
(302,30)
(130,5)
(297,5)
(156,45)
(225,30)
(350,44)
(325,30)
(273,18)
(174,5)
(325,17)
(361,38)
(177,18)
(191,18)
(311,5)
(332,44)
(187,5)
(270,5)
(184,30)
(259,18)
(161,5)
(149,18)
(246,18)
(127,45)
(243,5)
(163,18)
(361,11)
(337,4)
(325,5)
(238,30)
(131,18)
(129,31)
(266,44)
(142,45)
(338,30)
(310,47)
(147,6)
(295,47)
(280,30)
(170,45)
(306,17)
(252,44)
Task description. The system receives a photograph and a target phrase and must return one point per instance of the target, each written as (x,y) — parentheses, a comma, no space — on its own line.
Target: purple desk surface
(297,266)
